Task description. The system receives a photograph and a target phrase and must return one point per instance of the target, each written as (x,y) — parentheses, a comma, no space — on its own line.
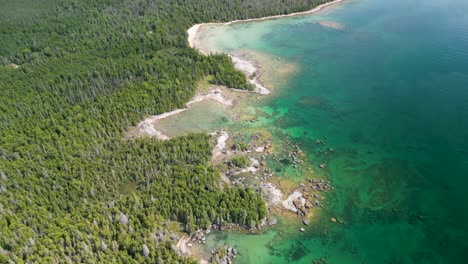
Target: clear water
(388,91)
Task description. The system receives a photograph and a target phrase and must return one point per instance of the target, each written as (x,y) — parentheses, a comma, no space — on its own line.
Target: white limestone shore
(252,72)
(289,202)
(220,144)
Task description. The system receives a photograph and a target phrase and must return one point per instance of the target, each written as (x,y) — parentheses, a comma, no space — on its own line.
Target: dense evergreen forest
(74,75)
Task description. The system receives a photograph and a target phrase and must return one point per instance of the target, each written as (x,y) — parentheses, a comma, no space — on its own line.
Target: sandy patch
(332,24)
(192,34)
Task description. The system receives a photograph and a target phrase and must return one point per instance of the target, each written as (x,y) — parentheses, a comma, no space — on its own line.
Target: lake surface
(385,84)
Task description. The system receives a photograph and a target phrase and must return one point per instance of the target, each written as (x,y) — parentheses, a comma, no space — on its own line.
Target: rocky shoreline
(296,200)
(264,165)
(259,176)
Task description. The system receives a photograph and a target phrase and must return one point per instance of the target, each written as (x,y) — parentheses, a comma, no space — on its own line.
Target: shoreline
(192,31)
(249,67)
(280,200)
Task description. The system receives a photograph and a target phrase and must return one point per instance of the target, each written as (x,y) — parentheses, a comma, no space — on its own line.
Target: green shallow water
(389,93)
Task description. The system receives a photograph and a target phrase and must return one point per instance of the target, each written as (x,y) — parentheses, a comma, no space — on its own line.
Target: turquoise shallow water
(388,91)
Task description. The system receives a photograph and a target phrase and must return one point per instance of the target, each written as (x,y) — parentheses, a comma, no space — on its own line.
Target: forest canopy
(74,75)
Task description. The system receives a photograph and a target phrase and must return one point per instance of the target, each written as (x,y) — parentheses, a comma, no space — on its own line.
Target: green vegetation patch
(239,161)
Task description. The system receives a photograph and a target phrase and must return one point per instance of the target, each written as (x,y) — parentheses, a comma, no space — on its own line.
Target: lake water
(385,84)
